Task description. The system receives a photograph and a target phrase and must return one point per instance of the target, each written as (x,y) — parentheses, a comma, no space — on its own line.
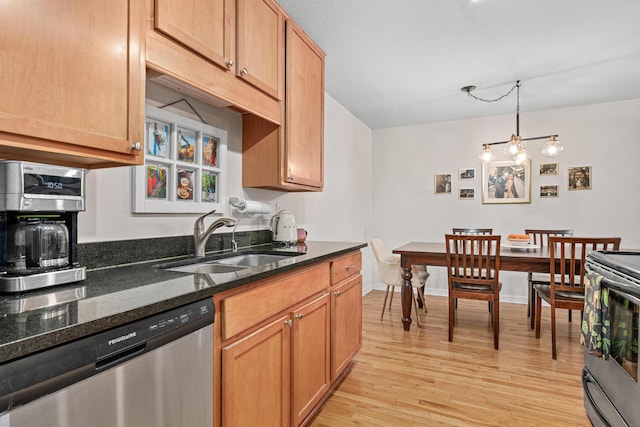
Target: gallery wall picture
(467,173)
(548,169)
(505,182)
(467,193)
(579,178)
(443,183)
(548,191)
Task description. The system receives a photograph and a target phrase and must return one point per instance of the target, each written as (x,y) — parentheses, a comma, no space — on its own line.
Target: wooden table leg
(406,294)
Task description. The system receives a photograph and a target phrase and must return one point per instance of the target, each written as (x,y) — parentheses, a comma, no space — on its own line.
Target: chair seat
(545,290)
(476,287)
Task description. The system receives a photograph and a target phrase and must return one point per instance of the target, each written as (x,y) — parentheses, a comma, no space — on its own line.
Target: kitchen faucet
(200,236)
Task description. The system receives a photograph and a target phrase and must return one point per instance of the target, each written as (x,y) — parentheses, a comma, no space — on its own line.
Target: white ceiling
(403,62)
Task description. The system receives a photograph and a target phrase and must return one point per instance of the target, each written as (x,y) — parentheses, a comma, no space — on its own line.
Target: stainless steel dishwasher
(157,372)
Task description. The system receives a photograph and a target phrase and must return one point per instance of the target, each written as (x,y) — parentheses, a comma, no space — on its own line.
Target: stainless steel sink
(206,268)
(252,260)
(232,263)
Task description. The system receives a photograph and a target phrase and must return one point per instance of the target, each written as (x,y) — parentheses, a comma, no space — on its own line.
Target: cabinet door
(260,45)
(346,324)
(72,81)
(204,26)
(304,147)
(310,353)
(256,374)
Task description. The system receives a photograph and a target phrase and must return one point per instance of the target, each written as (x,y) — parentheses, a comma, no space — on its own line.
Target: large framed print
(505,182)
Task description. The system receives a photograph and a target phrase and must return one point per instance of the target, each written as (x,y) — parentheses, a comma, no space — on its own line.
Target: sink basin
(206,268)
(230,264)
(252,260)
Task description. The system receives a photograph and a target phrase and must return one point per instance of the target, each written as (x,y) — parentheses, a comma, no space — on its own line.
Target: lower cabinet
(285,342)
(255,377)
(276,375)
(346,324)
(310,353)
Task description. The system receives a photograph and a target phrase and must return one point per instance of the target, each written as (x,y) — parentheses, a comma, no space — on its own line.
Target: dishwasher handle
(120,357)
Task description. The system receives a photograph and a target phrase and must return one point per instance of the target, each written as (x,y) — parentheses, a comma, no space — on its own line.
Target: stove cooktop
(627,262)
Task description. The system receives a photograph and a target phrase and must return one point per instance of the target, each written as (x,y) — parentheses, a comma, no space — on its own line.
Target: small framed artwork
(580,178)
(467,174)
(186,145)
(184,182)
(157,182)
(548,191)
(209,187)
(443,183)
(504,182)
(548,169)
(209,150)
(467,193)
(158,138)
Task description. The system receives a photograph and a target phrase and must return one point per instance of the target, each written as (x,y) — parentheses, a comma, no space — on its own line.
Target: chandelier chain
(496,99)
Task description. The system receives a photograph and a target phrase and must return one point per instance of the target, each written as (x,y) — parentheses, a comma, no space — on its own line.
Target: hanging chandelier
(515,148)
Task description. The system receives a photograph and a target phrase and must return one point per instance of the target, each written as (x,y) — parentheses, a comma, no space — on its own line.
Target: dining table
(530,258)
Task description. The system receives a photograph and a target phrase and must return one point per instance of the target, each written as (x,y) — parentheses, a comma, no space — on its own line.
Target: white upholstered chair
(390,274)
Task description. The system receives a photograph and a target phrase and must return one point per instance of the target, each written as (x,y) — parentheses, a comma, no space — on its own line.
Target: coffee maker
(39,207)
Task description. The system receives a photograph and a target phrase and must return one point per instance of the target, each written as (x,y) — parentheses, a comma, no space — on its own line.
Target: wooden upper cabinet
(72,81)
(304,152)
(290,157)
(260,45)
(205,26)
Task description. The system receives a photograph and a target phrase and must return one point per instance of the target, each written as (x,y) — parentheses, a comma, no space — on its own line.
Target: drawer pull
(336,293)
(350,267)
(299,316)
(288,322)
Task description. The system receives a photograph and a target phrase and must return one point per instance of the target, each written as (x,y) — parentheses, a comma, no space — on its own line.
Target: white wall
(342,212)
(604,136)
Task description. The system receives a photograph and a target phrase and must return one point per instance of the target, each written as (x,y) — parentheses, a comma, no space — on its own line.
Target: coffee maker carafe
(39,207)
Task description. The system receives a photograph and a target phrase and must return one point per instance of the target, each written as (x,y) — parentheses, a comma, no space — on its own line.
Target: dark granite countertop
(112,296)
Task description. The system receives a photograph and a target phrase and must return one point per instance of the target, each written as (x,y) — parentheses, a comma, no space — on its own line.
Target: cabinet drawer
(345,266)
(242,311)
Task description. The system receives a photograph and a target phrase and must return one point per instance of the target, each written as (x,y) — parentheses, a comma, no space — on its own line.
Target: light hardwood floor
(418,378)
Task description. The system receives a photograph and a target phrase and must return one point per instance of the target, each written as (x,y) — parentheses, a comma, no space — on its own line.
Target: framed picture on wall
(467,193)
(443,183)
(467,174)
(548,169)
(548,191)
(580,178)
(504,182)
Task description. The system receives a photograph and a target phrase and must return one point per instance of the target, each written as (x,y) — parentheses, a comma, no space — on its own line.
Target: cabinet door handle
(288,322)
(136,146)
(299,316)
(336,293)
(244,72)
(230,63)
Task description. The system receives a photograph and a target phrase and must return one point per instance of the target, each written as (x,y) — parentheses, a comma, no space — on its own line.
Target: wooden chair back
(473,231)
(541,237)
(473,260)
(568,270)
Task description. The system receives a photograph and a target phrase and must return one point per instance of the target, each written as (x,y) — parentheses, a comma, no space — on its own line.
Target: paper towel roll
(254,207)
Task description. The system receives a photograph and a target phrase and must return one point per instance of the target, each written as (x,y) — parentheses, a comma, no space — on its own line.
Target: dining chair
(540,237)
(477,231)
(390,273)
(473,268)
(566,287)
